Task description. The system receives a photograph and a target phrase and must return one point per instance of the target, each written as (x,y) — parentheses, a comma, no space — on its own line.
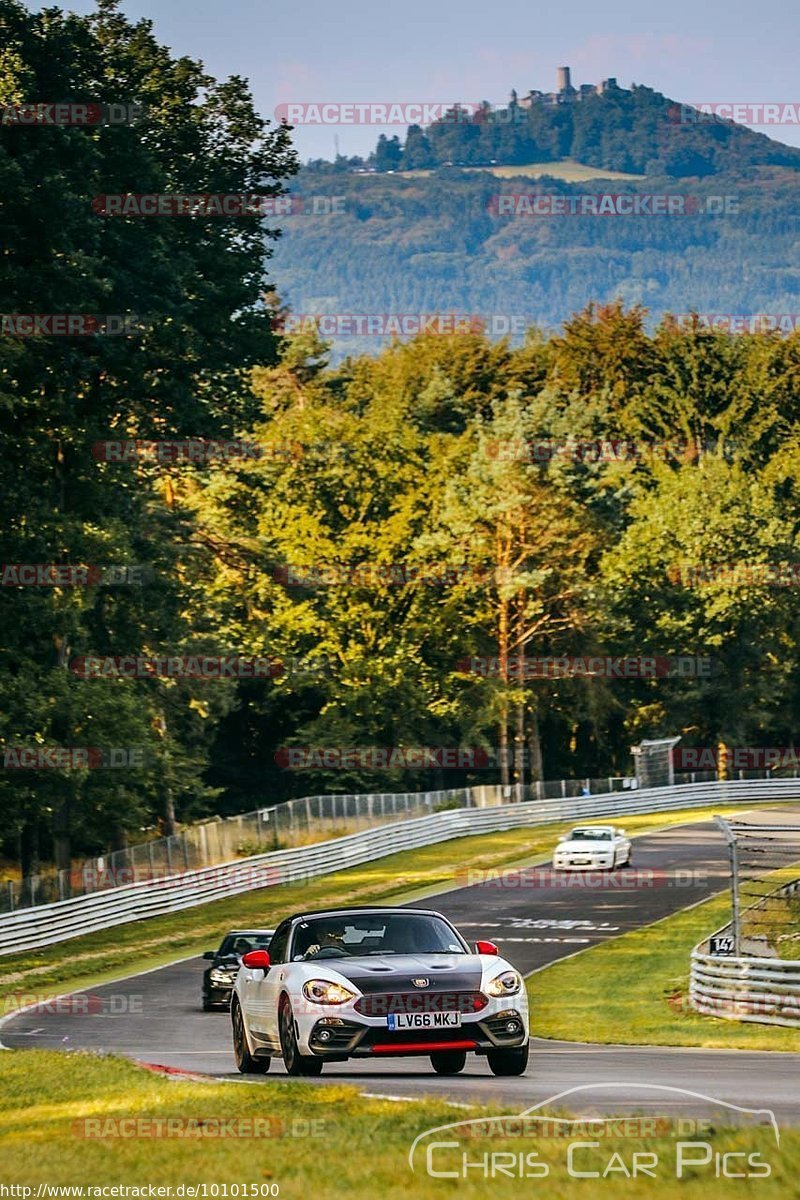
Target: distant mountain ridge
(636,130)
(719,237)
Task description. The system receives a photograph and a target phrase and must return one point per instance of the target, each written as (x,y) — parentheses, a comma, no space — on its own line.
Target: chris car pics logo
(536,1145)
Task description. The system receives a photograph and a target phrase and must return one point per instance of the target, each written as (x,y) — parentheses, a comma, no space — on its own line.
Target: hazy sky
(431,50)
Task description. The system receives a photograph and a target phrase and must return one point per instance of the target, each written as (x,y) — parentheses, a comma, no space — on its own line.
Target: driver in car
(331,938)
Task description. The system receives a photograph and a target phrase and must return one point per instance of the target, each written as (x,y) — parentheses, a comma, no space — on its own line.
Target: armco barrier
(278,826)
(746,987)
(42,926)
(765,990)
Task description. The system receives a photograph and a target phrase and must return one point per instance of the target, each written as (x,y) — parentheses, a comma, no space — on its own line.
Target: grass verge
(315,1141)
(633,990)
(143,945)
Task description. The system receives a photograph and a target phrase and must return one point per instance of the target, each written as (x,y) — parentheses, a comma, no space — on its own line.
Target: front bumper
(218,993)
(582,863)
(352,1037)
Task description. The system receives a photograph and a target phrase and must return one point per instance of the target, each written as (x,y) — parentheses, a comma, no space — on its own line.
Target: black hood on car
(397,972)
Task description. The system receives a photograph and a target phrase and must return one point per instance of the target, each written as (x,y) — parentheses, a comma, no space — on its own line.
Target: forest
(225,544)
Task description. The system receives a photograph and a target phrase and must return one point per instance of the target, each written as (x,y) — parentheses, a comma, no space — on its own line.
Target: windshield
(590,835)
(242,943)
(358,936)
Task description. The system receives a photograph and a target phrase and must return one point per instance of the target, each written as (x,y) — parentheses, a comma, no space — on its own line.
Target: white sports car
(593,846)
(377,983)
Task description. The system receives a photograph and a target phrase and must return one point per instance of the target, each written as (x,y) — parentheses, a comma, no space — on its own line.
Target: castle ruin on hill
(565,93)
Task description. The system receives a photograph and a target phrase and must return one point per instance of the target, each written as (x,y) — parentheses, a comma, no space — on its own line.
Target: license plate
(439,1020)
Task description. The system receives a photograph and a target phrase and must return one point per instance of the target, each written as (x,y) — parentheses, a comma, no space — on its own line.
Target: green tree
(198,283)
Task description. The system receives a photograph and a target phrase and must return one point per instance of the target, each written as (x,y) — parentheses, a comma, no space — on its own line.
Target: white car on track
(377,983)
(597,847)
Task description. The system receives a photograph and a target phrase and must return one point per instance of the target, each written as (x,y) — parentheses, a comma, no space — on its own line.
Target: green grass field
(94,1122)
(567,169)
(633,989)
(142,945)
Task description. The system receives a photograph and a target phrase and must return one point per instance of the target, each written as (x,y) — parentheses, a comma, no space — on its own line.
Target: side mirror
(621,832)
(210,954)
(256,960)
(486,948)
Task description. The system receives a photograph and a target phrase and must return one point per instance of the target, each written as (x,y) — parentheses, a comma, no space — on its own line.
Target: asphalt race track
(156,1017)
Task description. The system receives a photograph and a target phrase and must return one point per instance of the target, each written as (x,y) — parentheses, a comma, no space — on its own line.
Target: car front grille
(381,1004)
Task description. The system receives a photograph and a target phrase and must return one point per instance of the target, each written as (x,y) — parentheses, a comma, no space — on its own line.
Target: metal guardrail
(764,990)
(746,987)
(274,827)
(45,925)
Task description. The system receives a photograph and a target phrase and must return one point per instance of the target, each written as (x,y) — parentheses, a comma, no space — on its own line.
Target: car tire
(294,1062)
(508,1062)
(449,1062)
(246,1064)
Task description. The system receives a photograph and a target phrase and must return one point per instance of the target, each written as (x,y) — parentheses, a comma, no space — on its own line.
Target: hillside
(438,244)
(420,228)
(567,168)
(637,130)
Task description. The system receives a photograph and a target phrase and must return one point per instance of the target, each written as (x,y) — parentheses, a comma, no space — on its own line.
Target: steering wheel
(331,952)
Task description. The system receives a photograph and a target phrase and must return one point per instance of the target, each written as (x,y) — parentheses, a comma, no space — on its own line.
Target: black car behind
(219,978)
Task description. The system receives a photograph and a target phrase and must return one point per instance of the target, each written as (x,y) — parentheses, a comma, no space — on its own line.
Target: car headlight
(322,991)
(222,977)
(507,984)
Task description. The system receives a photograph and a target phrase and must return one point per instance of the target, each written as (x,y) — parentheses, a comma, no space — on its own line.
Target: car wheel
(449,1062)
(508,1062)
(295,1062)
(245,1062)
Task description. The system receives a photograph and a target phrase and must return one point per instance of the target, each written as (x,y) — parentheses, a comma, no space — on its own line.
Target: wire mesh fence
(315,818)
(765,887)
(654,766)
(277,827)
